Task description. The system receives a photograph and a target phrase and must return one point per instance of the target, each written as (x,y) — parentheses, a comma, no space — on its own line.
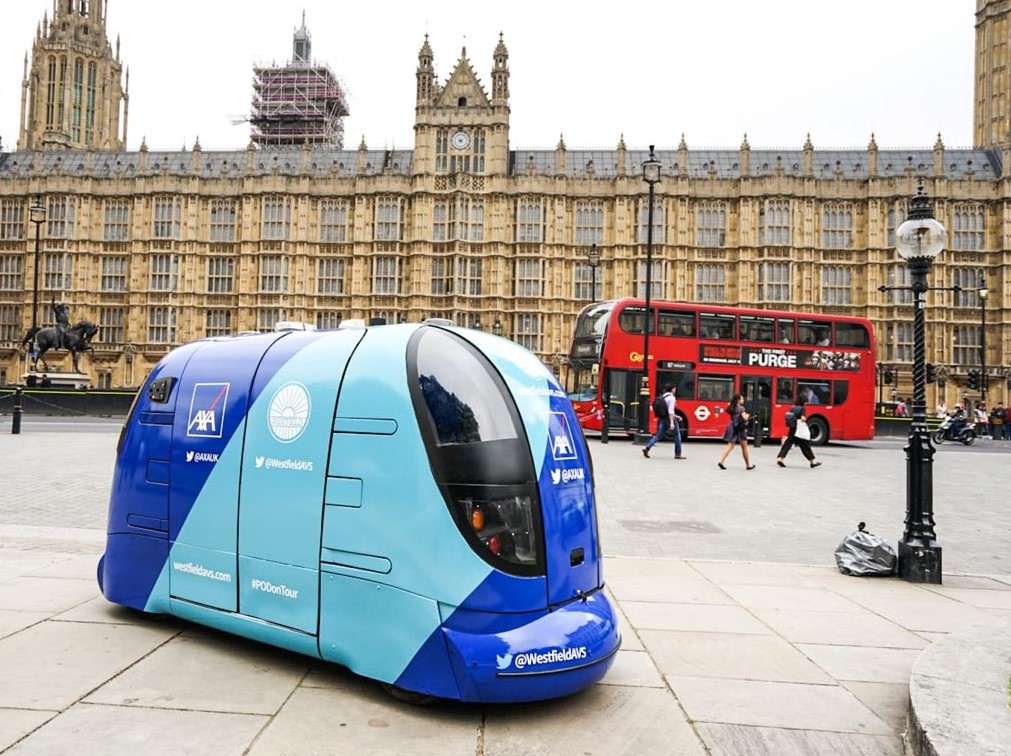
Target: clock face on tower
(461,140)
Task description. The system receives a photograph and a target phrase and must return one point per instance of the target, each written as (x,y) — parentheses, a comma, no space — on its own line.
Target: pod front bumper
(557,654)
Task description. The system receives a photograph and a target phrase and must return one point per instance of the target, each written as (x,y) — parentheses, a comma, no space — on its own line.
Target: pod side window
(477,450)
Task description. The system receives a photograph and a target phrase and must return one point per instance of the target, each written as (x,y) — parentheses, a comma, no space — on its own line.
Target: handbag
(802,431)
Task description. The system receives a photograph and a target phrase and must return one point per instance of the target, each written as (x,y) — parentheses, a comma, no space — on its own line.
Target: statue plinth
(48,379)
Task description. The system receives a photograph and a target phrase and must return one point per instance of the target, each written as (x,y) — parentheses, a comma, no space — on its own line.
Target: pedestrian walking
(799,434)
(736,432)
(900,409)
(998,422)
(942,409)
(982,418)
(664,406)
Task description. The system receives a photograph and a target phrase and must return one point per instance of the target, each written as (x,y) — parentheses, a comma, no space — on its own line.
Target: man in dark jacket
(794,416)
(999,423)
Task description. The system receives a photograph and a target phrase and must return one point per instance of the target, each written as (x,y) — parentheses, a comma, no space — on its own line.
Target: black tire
(819,431)
(938,437)
(409,696)
(969,437)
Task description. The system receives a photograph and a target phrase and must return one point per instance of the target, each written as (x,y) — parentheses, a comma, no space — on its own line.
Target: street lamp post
(37,215)
(982,292)
(497,327)
(593,258)
(918,241)
(651,175)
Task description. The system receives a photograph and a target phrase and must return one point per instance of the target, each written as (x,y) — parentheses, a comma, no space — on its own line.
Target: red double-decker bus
(710,353)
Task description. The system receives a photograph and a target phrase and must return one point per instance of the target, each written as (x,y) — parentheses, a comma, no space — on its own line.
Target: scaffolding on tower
(301,104)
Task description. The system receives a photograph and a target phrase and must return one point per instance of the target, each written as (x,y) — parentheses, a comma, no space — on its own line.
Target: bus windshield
(593,320)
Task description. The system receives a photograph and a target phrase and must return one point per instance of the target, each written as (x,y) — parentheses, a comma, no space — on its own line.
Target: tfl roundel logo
(288,412)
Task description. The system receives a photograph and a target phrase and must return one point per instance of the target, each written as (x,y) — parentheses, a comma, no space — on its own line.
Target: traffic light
(931,373)
(889,377)
(973,380)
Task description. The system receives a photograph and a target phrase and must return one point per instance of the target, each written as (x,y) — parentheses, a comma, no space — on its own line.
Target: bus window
(851,335)
(631,319)
(784,390)
(677,323)
(815,392)
(683,383)
(593,320)
(784,332)
(756,329)
(841,391)
(713,326)
(814,333)
(715,388)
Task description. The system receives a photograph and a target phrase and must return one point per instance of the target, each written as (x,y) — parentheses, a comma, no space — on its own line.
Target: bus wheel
(409,696)
(819,431)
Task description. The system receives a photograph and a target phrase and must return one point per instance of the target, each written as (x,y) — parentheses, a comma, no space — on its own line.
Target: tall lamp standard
(651,175)
(37,215)
(982,293)
(593,258)
(918,241)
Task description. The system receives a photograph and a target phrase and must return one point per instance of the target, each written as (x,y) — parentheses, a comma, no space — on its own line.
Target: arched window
(461,102)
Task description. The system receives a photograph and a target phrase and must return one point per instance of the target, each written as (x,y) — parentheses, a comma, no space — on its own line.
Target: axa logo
(503,661)
(562,446)
(195,456)
(207,410)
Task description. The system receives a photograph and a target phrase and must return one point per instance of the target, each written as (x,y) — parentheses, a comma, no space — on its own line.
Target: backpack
(660,407)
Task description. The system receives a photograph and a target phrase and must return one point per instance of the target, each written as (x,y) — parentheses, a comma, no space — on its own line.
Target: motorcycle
(946,431)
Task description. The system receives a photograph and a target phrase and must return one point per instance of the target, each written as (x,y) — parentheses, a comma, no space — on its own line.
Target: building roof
(722,164)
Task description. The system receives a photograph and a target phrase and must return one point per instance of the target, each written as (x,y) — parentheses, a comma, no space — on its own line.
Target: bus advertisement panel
(709,353)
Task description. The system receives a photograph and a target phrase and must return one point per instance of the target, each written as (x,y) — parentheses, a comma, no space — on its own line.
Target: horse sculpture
(75,339)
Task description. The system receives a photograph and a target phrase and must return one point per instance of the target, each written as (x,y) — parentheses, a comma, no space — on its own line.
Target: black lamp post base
(919,564)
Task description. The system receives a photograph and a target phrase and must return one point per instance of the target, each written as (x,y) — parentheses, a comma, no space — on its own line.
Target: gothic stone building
(163,247)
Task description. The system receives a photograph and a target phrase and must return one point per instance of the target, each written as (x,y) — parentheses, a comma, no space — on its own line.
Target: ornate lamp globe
(593,256)
(37,212)
(921,237)
(982,291)
(651,168)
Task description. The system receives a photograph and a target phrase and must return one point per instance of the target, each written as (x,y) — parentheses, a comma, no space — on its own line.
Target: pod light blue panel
(344,492)
(372,628)
(280,593)
(249,627)
(206,576)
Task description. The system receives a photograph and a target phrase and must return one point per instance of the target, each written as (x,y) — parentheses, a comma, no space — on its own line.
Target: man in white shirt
(665,423)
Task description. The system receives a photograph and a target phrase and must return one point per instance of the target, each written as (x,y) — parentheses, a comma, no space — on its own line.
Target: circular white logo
(702,413)
(288,413)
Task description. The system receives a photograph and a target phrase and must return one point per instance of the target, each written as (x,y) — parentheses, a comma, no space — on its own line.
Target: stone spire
(425,74)
(500,74)
(808,156)
(744,156)
(621,167)
(872,157)
(939,156)
(560,156)
(682,156)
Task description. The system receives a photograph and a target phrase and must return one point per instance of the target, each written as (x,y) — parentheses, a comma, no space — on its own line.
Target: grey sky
(773,68)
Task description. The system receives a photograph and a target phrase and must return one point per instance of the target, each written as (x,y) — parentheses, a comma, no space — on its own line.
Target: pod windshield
(477,450)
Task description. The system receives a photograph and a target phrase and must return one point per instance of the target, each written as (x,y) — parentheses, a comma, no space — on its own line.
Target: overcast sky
(773,68)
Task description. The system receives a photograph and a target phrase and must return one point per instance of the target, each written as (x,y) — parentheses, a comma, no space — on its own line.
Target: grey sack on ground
(862,553)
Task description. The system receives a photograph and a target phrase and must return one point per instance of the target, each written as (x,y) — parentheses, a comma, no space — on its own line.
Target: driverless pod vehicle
(414,502)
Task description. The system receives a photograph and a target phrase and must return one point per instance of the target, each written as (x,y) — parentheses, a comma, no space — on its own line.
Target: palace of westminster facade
(164,247)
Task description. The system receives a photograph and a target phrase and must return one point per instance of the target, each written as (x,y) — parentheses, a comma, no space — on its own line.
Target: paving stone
(885,665)
(12,621)
(775,704)
(606,719)
(983,599)
(797,599)
(634,668)
(761,573)
(676,590)
(99,609)
(122,731)
(726,655)
(323,675)
(16,723)
(734,740)
(338,721)
(42,594)
(222,673)
(928,611)
(839,628)
(931,637)
(629,640)
(994,583)
(82,567)
(52,664)
(890,701)
(693,617)
(633,566)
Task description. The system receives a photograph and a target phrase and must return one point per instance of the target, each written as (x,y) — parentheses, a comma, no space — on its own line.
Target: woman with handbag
(736,432)
(799,434)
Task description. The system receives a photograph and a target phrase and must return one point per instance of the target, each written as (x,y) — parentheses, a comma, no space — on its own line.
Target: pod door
(288,432)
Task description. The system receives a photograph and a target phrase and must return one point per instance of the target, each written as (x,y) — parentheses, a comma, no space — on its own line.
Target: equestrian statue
(75,339)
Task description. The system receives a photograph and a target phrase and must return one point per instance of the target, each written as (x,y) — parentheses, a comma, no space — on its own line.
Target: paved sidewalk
(726,657)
